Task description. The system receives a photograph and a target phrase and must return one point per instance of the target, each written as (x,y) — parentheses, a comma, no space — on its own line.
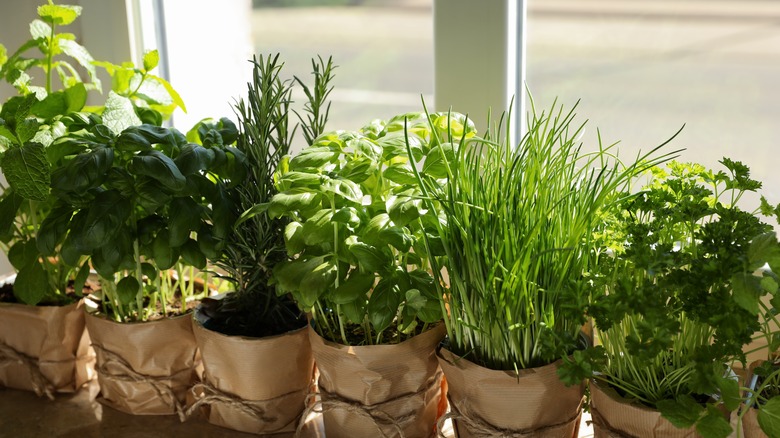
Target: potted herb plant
(43,344)
(681,300)
(761,409)
(245,335)
(145,205)
(516,230)
(361,269)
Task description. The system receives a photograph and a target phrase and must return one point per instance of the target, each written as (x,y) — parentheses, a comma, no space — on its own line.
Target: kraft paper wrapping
(379,390)
(487,403)
(255,385)
(616,417)
(144,368)
(44,348)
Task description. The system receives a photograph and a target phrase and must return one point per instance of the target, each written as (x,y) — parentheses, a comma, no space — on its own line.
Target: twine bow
(250,408)
(41,385)
(482,429)
(129,374)
(379,418)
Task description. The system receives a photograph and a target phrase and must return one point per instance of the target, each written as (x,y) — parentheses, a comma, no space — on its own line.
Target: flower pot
(144,368)
(750,426)
(255,385)
(379,390)
(486,403)
(44,348)
(614,416)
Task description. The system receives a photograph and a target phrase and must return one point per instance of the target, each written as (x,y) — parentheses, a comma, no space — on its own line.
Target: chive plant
(518,237)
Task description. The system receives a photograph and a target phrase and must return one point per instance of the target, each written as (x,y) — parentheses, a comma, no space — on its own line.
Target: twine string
(379,418)
(41,385)
(211,394)
(479,428)
(129,374)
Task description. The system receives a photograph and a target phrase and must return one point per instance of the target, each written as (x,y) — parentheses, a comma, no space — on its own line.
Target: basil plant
(138,202)
(357,232)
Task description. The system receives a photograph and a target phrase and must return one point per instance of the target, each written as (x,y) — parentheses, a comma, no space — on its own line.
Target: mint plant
(681,294)
(356,230)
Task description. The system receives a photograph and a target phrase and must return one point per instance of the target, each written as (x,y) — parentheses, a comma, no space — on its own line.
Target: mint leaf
(76,97)
(714,424)
(59,14)
(174,95)
(729,391)
(745,291)
(119,113)
(3,55)
(151,59)
(82,56)
(682,413)
(27,171)
(40,30)
(769,417)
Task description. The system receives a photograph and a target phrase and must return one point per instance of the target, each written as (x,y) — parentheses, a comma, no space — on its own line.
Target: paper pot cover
(487,402)
(255,385)
(144,368)
(614,416)
(379,390)
(44,348)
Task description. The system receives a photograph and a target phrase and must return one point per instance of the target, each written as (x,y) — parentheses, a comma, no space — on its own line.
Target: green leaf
(370,258)
(437,161)
(85,171)
(127,289)
(355,287)
(171,92)
(319,228)
(39,30)
(192,255)
(729,392)
(313,157)
(193,158)
(293,201)
(400,174)
(769,417)
(383,305)
(355,311)
(76,97)
(293,238)
(764,248)
(60,15)
(81,278)
(682,413)
(345,188)
(9,205)
(26,130)
(53,229)
(22,254)
(713,424)
(28,171)
(157,165)
(119,113)
(415,299)
(31,284)
(52,105)
(768,284)
(404,209)
(82,56)
(165,256)
(746,291)
(184,219)
(105,217)
(151,59)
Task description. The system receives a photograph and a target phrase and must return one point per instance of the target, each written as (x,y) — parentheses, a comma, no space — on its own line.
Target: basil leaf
(157,165)
(383,305)
(31,284)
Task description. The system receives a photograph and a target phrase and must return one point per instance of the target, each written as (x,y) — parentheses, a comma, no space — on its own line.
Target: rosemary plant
(518,239)
(256,244)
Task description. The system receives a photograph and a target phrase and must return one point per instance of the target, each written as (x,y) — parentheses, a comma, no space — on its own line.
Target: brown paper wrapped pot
(255,385)
(614,416)
(379,390)
(750,426)
(144,368)
(44,348)
(487,402)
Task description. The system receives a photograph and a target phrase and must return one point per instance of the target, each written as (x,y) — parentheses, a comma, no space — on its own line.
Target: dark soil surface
(70,296)
(249,316)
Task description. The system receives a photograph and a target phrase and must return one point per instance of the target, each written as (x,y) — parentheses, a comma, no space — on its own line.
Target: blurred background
(640,68)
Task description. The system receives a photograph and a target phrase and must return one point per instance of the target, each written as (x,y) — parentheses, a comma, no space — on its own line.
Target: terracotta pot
(255,385)
(44,348)
(144,368)
(614,416)
(486,403)
(379,390)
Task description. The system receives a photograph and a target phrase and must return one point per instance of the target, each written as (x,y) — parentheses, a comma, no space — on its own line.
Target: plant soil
(244,315)
(70,296)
